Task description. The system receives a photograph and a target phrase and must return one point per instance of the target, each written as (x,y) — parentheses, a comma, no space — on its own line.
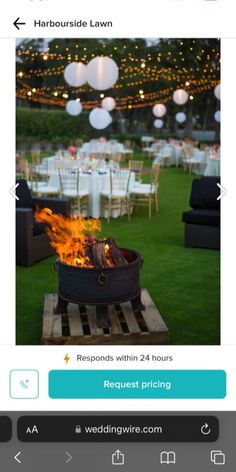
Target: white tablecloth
(212,167)
(97,147)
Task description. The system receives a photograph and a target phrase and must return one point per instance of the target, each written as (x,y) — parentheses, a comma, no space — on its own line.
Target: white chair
(70,188)
(193,161)
(165,156)
(116,197)
(146,194)
(36,181)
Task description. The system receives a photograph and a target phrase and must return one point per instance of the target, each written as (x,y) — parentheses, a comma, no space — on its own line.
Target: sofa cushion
(202,217)
(25,197)
(204,193)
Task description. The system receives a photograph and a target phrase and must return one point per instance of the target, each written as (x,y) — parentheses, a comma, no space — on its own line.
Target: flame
(70,236)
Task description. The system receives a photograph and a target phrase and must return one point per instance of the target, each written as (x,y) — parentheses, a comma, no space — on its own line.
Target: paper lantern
(99,118)
(180,96)
(159,110)
(180,117)
(75,74)
(102,73)
(217,116)
(158,123)
(73,107)
(108,103)
(217,92)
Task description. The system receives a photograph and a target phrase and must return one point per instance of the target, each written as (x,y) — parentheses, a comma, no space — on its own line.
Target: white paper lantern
(75,74)
(102,73)
(217,92)
(180,96)
(159,110)
(158,123)
(73,107)
(217,116)
(100,118)
(180,117)
(108,103)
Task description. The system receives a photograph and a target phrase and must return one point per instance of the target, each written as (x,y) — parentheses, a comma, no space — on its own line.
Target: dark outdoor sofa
(32,244)
(202,223)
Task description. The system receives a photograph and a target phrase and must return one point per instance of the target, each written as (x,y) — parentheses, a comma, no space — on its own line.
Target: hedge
(55,127)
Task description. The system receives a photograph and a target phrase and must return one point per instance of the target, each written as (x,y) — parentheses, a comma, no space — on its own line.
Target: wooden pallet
(127,327)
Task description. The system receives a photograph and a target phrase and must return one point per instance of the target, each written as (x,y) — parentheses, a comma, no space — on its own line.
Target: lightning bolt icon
(66,359)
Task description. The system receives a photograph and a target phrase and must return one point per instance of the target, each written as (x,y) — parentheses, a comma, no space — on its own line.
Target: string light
(139,69)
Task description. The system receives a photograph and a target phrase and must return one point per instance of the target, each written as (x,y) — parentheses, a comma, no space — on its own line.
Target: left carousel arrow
(13,191)
(16,457)
(17,23)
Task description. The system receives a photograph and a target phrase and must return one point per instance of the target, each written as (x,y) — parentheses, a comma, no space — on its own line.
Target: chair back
(137,167)
(79,143)
(68,180)
(35,154)
(117,157)
(129,145)
(155,174)
(204,193)
(188,151)
(120,180)
(24,168)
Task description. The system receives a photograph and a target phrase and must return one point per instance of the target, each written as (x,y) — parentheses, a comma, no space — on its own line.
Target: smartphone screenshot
(117,340)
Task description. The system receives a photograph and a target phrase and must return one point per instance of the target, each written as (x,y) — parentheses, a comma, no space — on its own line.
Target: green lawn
(184,283)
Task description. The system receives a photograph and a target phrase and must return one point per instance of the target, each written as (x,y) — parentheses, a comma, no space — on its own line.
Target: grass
(184,283)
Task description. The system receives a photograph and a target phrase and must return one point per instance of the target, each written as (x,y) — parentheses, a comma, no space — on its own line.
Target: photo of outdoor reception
(118,169)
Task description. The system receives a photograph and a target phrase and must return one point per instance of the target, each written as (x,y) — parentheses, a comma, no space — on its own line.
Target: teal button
(137,384)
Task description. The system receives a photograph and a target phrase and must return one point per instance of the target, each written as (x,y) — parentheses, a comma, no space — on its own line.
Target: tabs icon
(218,457)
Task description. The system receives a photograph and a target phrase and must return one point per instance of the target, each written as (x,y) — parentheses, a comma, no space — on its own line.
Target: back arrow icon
(17,23)
(69,457)
(13,191)
(223,191)
(16,457)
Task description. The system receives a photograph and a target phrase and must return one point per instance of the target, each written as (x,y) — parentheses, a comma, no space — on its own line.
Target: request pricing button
(137,384)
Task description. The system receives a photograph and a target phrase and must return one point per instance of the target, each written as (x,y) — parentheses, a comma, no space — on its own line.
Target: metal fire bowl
(94,286)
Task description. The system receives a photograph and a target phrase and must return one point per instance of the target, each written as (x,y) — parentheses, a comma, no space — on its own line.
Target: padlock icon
(78,429)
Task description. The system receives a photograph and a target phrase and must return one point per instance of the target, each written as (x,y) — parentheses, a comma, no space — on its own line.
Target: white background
(167,18)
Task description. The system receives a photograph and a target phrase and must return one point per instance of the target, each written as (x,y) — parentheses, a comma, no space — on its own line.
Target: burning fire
(70,236)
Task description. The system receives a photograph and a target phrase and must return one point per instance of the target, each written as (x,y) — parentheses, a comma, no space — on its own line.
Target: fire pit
(91,271)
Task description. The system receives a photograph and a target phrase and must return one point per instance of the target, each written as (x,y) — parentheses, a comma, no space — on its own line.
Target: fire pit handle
(141,263)
(103,278)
